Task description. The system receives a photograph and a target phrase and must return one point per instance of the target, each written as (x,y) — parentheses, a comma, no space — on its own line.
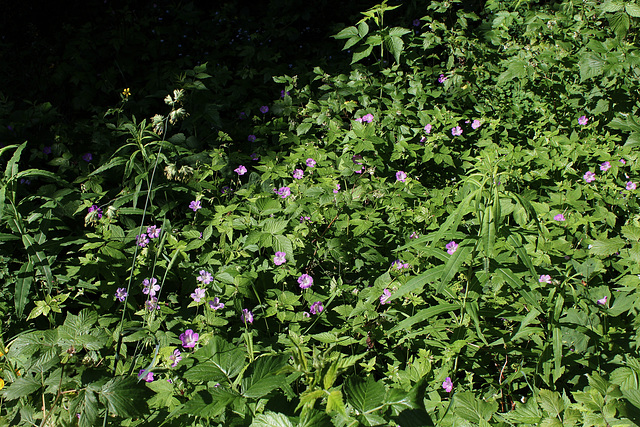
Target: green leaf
(452,266)
(607,247)
(590,65)
(632,9)
(271,419)
(264,376)
(619,23)
(89,409)
(423,315)
(40,261)
(473,408)
(23,286)
(346,33)
(219,361)
(365,395)
(551,402)
(418,282)
(124,397)
(395,45)
(361,52)
(21,387)
(12,165)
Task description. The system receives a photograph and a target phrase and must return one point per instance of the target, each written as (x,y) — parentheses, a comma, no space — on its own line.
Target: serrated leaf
(271,419)
(632,9)
(264,376)
(620,23)
(361,52)
(124,397)
(551,402)
(607,247)
(472,408)
(21,387)
(590,66)
(365,395)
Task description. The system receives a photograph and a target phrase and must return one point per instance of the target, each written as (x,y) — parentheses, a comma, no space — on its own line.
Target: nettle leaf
(271,419)
(21,387)
(365,395)
(124,397)
(607,247)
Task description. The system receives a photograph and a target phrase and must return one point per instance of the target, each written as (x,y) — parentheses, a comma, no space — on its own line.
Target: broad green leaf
(21,387)
(335,402)
(633,9)
(361,52)
(472,408)
(365,395)
(263,377)
(271,419)
(423,315)
(417,283)
(89,409)
(551,402)
(607,247)
(124,397)
(620,23)
(218,361)
(23,286)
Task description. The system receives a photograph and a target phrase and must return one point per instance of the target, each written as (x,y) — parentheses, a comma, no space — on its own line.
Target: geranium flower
(298,174)
(447,385)
(631,186)
(189,338)
(121,294)
(605,166)
(451,247)
(251,138)
(544,278)
(559,217)
(582,120)
(264,109)
(240,170)
(589,176)
(148,378)
(198,294)
(279,259)
(311,163)
(205,277)
(305,281)
(153,232)
(246,316)
(475,124)
(401,176)
(150,286)
(456,131)
(316,308)
(602,301)
(195,205)
(386,294)
(216,304)
(142,240)
(175,358)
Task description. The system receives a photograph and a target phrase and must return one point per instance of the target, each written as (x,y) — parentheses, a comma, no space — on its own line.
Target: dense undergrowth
(446,232)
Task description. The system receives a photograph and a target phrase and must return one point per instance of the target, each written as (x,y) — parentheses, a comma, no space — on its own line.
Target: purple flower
(94,208)
(335,190)
(189,338)
(121,294)
(442,78)
(305,281)
(399,265)
(150,286)
(304,218)
(142,240)
(148,378)
(401,176)
(240,170)
(582,120)
(226,190)
(544,278)
(451,247)
(316,308)
(254,157)
(195,205)
(306,314)
(559,217)
(283,192)
(631,185)
(205,277)
(386,294)
(475,124)
(416,22)
(447,385)
(456,131)
(264,109)
(151,304)
(367,118)
(246,316)
(47,150)
(242,115)
(589,176)
(198,294)
(311,163)
(251,138)
(87,157)
(623,161)
(153,232)
(279,259)
(298,174)
(605,166)
(283,93)
(427,128)
(602,301)
(175,358)
(216,304)
(413,235)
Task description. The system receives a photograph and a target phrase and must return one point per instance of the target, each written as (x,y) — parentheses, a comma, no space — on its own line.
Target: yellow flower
(126,92)
(1,383)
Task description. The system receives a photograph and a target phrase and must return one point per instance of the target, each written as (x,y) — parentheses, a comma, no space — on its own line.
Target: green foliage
(453,239)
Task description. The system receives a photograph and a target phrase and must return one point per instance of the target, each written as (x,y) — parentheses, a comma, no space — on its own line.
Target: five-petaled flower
(216,304)
(442,78)
(316,308)
(198,294)
(602,301)
(87,157)
(456,131)
(205,277)
(451,247)
(559,217)
(279,259)
(152,304)
(153,231)
(121,294)
(427,128)
(189,338)
(246,316)
(305,281)
(126,92)
(310,162)
(148,378)
(283,192)
(251,138)
(544,278)
(367,118)
(401,176)
(97,210)
(298,174)
(175,358)
(631,185)
(195,205)
(475,124)
(589,176)
(386,294)
(150,286)
(240,170)
(447,385)
(142,240)
(264,109)
(582,120)
(605,166)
